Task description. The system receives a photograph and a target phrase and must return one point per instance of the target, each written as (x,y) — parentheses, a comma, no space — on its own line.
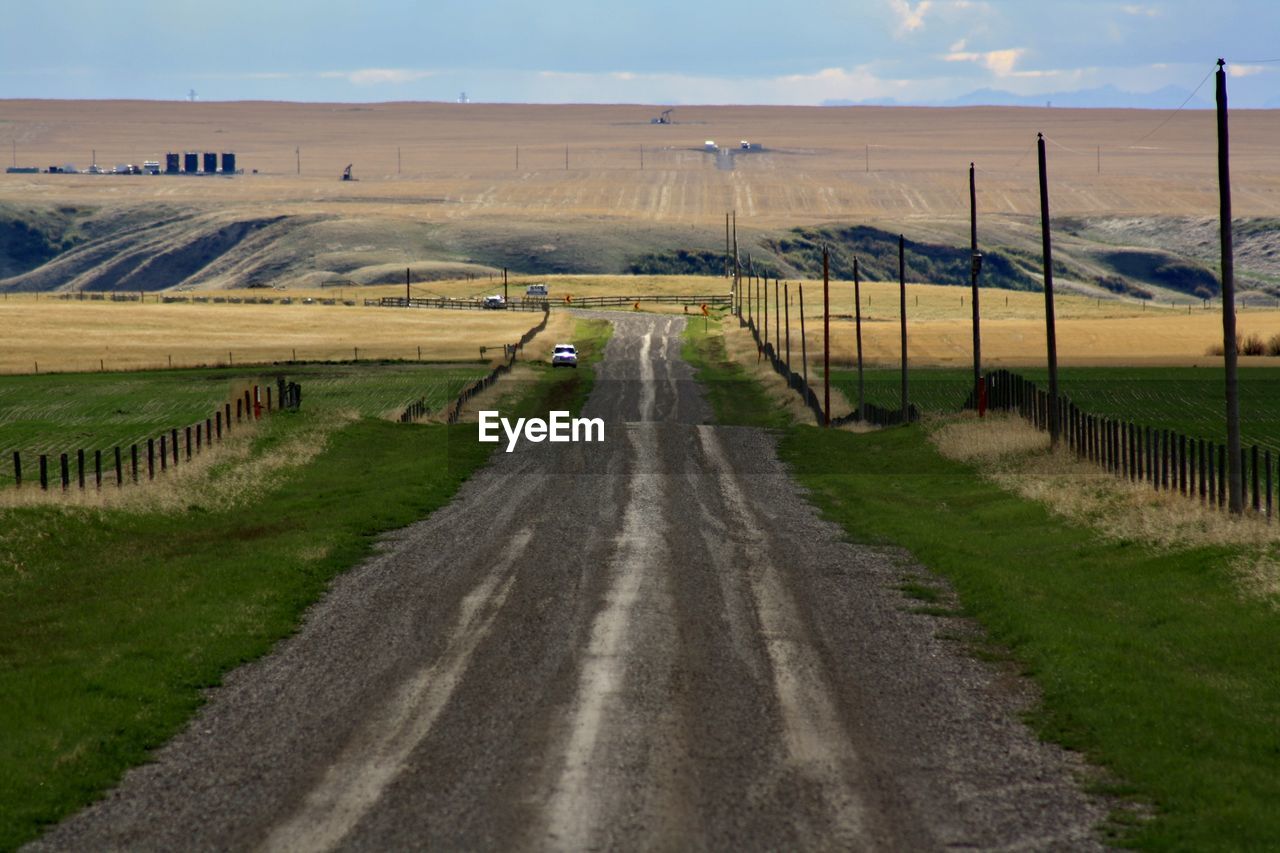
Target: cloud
(1246,70)
(998,62)
(910,19)
(1141,11)
(378,76)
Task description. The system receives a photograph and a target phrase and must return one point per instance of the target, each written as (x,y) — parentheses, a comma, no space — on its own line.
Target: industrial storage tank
(190,162)
(210,163)
(228,163)
(171,164)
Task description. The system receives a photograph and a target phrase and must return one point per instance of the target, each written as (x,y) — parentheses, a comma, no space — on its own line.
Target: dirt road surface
(652,642)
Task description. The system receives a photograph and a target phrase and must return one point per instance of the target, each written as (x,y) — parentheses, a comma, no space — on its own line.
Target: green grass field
(1190,400)
(116,620)
(62,413)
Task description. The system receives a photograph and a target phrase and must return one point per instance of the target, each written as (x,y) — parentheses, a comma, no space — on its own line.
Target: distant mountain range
(1104,97)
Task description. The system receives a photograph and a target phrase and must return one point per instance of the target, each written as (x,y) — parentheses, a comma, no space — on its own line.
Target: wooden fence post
(227,415)
(188,437)
(151,458)
(804,347)
(1213,476)
(1222,476)
(17,468)
(208,431)
(44,472)
(80,466)
(1182,463)
(1254,478)
(133,462)
(1202,468)
(97,469)
(164,454)
(1269,484)
(66,473)
(119,468)
(786,307)
(239,409)
(173,435)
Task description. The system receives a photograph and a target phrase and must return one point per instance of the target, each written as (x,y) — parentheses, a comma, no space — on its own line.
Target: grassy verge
(115,621)
(736,398)
(1150,661)
(1186,399)
(97,411)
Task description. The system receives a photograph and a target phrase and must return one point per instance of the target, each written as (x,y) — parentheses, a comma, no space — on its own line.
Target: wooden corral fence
(168,449)
(1164,459)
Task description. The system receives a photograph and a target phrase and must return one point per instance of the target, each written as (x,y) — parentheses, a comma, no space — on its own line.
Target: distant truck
(710,145)
(536,290)
(494,302)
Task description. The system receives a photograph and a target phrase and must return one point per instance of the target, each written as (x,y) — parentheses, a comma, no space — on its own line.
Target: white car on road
(564,355)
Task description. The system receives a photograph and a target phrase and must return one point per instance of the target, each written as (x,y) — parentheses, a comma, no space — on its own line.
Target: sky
(1151,53)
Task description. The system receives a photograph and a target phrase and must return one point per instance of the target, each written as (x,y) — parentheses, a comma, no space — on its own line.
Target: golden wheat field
(1090,331)
(52,335)
(444,162)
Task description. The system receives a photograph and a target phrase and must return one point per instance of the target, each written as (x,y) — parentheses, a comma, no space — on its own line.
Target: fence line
(547,304)
(419,408)
(871,413)
(199,437)
(1162,458)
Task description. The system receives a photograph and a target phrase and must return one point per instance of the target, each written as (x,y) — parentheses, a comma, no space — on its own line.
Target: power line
(1169,117)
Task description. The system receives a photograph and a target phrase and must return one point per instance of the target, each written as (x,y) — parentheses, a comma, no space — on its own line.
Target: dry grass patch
(1016,456)
(88,336)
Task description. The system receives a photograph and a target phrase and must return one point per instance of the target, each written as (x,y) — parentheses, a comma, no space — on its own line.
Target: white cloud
(1141,11)
(998,62)
(910,19)
(378,76)
(1246,70)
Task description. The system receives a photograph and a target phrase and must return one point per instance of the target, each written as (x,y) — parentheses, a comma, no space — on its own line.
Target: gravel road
(653,642)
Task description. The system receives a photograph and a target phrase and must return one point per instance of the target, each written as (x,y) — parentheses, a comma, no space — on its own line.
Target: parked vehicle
(564,355)
(496,301)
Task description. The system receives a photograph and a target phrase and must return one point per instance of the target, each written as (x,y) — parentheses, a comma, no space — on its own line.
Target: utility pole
(1050,332)
(1235,477)
(777,320)
(297,153)
(397,159)
(1099,159)
(517,158)
(737,269)
(642,158)
(504,284)
(804,346)
(857,324)
(728,268)
(826,340)
(867,155)
(786,306)
(566,158)
(975,266)
(406,287)
(902,317)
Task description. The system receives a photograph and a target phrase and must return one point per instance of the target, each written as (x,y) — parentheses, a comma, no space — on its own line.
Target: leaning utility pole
(1048,294)
(1235,477)
(902,315)
(826,342)
(737,268)
(857,322)
(975,266)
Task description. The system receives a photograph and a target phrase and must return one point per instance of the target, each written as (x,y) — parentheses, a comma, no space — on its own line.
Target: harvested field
(459,204)
(89,336)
